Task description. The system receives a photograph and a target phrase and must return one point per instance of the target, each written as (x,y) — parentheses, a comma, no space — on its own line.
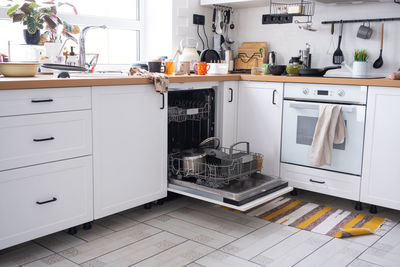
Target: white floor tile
(292,249)
(221,259)
(260,240)
(59,241)
(366,240)
(361,263)
(140,214)
(230,215)
(138,251)
(23,255)
(104,245)
(336,252)
(52,261)
(96,232)
(116,222)
(386,251)
(180,255)
(191,231)
(211,222)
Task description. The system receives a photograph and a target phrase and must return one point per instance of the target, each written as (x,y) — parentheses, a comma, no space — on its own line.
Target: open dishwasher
(199,167)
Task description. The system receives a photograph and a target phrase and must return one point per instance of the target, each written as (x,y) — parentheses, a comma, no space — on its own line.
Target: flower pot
(32,39)
(360,68)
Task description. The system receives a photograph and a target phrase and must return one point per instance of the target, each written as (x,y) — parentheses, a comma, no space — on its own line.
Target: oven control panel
(340,92)
(326,92)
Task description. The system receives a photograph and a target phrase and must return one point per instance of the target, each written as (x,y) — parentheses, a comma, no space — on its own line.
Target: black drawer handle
(231,100)
(273,97)
(43,139)
(47,201)
(163,101)
(317,182)
(42,100)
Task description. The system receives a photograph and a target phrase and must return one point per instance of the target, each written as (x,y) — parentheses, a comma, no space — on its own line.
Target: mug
(185,67)
(155,66)
(201,68)
(170,68)
(364,32)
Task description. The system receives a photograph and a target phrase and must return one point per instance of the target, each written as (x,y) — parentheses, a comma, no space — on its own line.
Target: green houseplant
(37,16)
(360,64)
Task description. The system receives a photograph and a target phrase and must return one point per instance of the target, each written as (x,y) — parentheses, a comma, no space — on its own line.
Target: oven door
(299,122)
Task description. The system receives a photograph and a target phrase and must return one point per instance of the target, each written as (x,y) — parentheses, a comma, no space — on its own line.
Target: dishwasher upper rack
(179,114)
(243,163)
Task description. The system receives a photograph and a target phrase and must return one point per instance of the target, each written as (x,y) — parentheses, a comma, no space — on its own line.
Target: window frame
(111,23)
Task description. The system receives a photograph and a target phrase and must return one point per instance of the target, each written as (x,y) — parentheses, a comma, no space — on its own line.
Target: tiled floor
(187,232)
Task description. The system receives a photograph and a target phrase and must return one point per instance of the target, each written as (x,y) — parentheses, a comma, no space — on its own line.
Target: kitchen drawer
(33,101)
(33,139)
(43,199)
(321,181)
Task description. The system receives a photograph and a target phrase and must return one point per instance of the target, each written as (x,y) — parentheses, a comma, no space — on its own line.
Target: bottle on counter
(72,59)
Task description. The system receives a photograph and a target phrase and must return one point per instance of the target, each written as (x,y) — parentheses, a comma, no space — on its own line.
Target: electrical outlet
(199,19)
(277,19)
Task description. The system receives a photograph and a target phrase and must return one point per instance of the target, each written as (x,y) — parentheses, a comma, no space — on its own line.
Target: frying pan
(317,72)
(209,55)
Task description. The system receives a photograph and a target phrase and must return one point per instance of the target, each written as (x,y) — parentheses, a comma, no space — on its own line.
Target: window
(118,45)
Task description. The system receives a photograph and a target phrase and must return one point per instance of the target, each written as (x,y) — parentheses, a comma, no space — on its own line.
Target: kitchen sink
(111,74)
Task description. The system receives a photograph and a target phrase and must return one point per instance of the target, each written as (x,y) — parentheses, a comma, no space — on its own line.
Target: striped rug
(316,218)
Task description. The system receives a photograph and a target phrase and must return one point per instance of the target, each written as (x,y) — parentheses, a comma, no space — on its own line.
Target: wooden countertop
(47,81)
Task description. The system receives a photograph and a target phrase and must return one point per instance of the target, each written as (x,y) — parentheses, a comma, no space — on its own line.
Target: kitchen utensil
(201,68)
(317,72)
(155,66)
(170,67)
(271,58)
(293,69)
(257,71)
(184,67)
(209,55)
(218,22)
(338,57)
(364,32)
(188,51)
(64,67)
(213,20)
(379,62)
(19,69)
(331,48)
(276,69)
(193,161)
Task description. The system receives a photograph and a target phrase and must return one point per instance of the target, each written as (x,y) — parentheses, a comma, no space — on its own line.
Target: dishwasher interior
(198,165)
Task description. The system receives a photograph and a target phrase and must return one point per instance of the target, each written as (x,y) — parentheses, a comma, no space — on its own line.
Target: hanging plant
(42,16)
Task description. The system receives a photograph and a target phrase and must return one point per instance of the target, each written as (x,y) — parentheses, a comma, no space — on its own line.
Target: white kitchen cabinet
(129,147)
(228,112)
(34,139)
(380,181)
(260,120)
(43,199)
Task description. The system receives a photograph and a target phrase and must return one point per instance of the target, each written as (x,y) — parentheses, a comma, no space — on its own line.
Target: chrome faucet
(82,37)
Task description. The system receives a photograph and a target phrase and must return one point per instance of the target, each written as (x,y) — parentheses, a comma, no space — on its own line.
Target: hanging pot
(32,38)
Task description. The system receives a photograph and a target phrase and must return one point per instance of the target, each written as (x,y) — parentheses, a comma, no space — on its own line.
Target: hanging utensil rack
(223,7)
(360,20)
(293,8)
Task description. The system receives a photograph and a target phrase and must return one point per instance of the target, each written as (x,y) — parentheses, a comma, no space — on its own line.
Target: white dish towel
(330,129)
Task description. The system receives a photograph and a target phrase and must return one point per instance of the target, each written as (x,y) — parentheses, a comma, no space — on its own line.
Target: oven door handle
(316,106)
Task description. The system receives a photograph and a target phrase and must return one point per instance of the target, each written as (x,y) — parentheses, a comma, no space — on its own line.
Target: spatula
(338,57)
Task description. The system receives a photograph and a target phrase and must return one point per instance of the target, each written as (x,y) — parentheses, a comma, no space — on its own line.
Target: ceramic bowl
(276,69)
(19,69)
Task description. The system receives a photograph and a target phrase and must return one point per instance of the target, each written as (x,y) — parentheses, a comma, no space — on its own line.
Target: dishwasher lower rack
(216,175)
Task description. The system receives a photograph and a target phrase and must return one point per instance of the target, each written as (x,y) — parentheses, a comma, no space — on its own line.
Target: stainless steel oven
(300,116)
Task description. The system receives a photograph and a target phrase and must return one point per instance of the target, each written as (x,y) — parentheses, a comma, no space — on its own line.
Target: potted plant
(36,17)
(360,65)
